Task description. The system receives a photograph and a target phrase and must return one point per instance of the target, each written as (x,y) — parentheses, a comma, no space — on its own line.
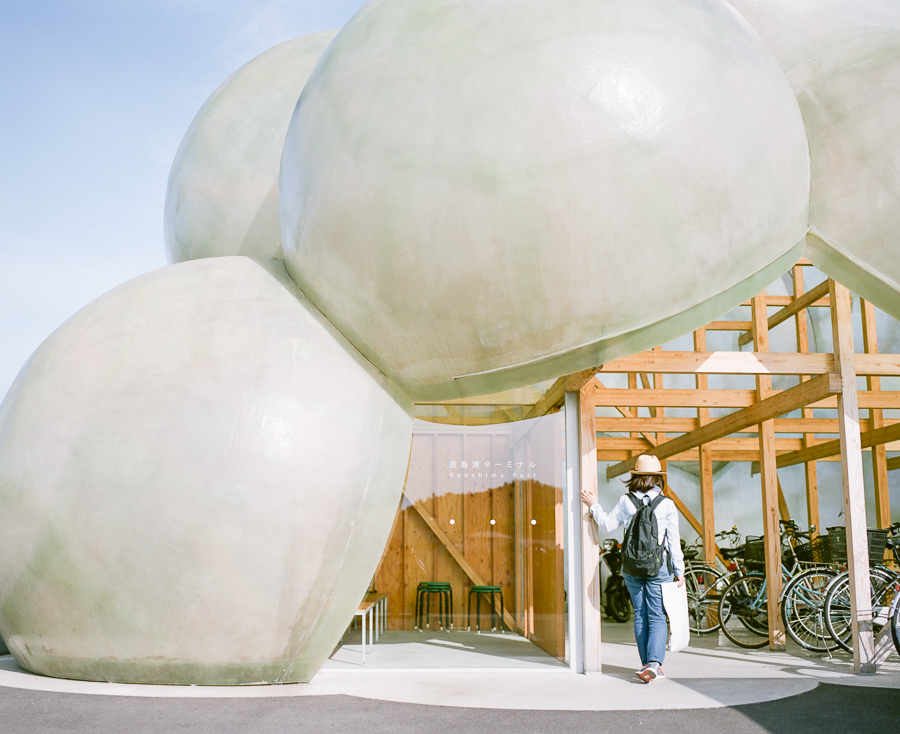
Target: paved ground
(826,709)
(712,687)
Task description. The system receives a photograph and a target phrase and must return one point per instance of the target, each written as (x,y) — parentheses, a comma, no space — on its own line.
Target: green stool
(423,604)
(496,620)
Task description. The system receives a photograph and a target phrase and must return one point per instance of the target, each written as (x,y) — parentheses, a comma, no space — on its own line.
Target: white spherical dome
(798,30)
(850,98)
(480,195)
(222,197)
(197,479)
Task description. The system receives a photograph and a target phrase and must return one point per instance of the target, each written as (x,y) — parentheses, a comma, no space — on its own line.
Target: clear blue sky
(95,96)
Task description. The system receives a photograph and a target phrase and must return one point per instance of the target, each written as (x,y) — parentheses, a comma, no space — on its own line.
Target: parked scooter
(616,601)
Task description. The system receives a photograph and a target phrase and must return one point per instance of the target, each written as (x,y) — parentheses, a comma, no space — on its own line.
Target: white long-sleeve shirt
(666,515)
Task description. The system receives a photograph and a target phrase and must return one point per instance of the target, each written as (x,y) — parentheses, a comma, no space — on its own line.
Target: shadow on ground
(827,709)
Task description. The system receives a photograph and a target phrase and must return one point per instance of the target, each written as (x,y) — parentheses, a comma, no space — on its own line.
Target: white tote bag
(675,602)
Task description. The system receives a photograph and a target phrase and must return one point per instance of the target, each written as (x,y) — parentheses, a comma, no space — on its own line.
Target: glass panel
(483,507)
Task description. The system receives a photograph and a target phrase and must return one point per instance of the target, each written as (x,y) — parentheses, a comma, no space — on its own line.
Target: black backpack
(642,553)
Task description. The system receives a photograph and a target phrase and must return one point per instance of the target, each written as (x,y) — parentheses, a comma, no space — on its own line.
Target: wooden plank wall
(463,507)
(545,571)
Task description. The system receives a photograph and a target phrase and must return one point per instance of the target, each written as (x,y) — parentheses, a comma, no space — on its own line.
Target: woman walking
(645,490)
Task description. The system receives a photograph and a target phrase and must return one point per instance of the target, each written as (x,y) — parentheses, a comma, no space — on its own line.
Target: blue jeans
(650,629)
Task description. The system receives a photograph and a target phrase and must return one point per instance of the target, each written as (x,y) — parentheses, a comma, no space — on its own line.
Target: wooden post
(809,468)
(876,420)
(707,513)
(590,548)
(854,496)
(769,481)
(632,385)
(658,384)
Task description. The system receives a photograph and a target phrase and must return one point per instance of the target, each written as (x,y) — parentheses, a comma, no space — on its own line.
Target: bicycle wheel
(744,611)
(803,609)
(895,622)
(704,586)
(837,603)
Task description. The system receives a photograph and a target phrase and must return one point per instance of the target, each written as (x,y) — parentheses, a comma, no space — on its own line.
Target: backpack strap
(634,500)
(658,501)
(653,505)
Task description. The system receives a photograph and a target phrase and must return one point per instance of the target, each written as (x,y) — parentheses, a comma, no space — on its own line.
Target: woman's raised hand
(589,497)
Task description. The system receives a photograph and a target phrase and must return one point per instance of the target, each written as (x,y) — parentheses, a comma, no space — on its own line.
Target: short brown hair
(644,482)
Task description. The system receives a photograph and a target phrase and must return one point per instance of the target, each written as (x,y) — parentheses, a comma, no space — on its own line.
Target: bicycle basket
(877,544)
(755,553)
(838,537)
(817,551)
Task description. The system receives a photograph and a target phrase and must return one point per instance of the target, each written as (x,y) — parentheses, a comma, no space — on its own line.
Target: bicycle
(894,616)
(703,582)
(803,598)
(743,606)
(884,584)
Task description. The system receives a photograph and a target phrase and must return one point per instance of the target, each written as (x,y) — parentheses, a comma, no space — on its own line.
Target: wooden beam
(877,365)
(809,468)
(893,463)
(467,568)
(724,363)
(592,614)
(854,493)
(783,508)
(788,300)
(707,502)
(879,455)
(764,410)
(632,384)
(658,411)
(577,380)
(727,326)
(625,412)
(688,398)
(749,363)
(607,424)
(640,445)
(555,395)
(691,456)
(707,510)
(874,437)
(769,480)
(549,400)
(688,515)
(796,305)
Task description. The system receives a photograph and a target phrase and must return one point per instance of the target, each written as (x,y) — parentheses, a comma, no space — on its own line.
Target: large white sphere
(797,30)
(197,479)
(481,195)
(222,197)
(850,98)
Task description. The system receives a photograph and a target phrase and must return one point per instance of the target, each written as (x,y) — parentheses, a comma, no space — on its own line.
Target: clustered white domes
(199,470)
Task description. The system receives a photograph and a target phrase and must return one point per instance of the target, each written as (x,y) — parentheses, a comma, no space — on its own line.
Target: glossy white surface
(222,197)
(520,190)
(197,479)
(850,98)
(797,30)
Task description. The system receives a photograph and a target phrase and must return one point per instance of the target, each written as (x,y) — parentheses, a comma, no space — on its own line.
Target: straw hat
(647,464)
